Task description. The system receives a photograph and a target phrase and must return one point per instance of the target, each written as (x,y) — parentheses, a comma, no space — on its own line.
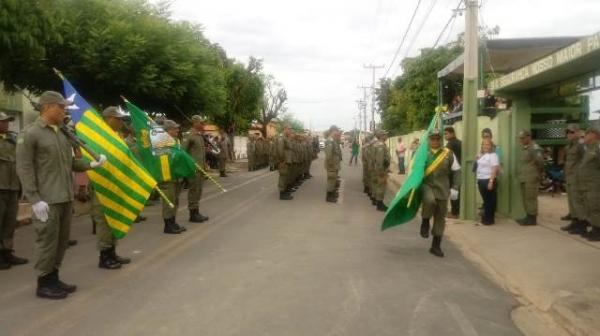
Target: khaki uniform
(574,153)
(45,164)
(194,145)
(333,157)
(104,234)
(529,169)
(284,161)
(9,190)
(223,154)
(251,153)
(381,164)
(272,154)
(588,175)
(171,189)
(436,191)
(365,164)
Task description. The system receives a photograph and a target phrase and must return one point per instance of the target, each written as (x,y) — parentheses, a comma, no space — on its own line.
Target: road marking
(463,322)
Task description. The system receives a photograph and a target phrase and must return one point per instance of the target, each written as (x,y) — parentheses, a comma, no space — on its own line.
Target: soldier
(442,181)
(333,156)
(529,170)
(574,153)
(223,154)
(44,164)
(171,189)
(381,164)
(107,242)
(9,194)
(365,163)
(284,162)
(272,154)
(195,146)
(588,176)
(251,152)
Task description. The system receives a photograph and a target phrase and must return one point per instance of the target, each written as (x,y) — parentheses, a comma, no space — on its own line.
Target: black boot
(170,227)
(9,257)
(48,289)
(567,217)
(425,228)
(381,206)
(594,234)
(118,258)
(285,196)
(579,228)
(107,261)
(530,220)
(366,190)
(373,201)
(195,216)
(66,287)
(571,225)
(4,264)
(179,226)
(330,197)
(435,249)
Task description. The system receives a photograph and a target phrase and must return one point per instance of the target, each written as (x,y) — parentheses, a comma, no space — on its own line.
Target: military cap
(197,118)
(53,97)
(333,128)
(379,133)
(6,117)
(524,133)
(435,133)
(573,127)
(593,129)
(113,111)
(168,124)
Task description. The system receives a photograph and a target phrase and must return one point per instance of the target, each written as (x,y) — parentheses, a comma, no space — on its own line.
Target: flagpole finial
(58,73)
(124,99)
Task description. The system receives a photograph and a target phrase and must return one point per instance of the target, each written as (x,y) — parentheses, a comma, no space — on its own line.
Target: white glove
(99,163)
(41,209)
(453,194)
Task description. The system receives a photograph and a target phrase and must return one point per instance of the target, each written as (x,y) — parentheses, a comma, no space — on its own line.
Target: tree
(289,119)
(273,103)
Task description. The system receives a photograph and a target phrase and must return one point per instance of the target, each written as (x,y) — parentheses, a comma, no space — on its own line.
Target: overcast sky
(317,48)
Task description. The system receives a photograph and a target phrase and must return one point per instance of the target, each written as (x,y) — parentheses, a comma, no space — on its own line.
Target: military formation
(293,156)
(260,153)
(376,163)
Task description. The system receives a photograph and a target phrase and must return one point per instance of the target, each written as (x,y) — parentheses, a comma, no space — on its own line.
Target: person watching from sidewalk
(529,171)
(588,175)
(488,166)
(455,146)
(401,153)
(9,194)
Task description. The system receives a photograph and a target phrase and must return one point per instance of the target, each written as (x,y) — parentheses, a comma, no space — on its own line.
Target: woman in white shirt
(488,166)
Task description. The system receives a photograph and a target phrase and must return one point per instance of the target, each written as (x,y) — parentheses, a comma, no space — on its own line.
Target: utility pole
(364,106)
(468,197)
(373,68)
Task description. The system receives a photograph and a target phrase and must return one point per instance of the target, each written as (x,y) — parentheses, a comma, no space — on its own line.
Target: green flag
(405,205)
(159,152)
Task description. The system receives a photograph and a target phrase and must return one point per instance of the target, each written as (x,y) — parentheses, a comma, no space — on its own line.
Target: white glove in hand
(453,194)
(99,163)
(41,209)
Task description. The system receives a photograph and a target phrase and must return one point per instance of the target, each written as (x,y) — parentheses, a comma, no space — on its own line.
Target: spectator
(400,152)
(488,166)
(454,145)
(414,145)
(354,152)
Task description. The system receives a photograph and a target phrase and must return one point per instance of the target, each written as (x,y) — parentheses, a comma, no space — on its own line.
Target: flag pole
(210,178)
(164,197)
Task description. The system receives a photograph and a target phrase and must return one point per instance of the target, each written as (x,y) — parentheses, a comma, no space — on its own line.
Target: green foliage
(289,119)
(133,48)
(408,103)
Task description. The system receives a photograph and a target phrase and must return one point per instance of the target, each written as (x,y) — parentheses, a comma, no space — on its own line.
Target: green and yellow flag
(159,152)
(121,185)
(406,204)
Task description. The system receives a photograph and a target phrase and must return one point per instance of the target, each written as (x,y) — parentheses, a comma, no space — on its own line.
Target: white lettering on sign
(593,42)
(542,65)
(569,53)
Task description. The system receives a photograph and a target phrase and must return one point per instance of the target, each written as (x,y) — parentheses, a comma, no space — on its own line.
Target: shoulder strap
(437,160)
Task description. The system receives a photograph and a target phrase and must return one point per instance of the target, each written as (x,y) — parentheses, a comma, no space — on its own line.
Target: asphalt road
(261,266)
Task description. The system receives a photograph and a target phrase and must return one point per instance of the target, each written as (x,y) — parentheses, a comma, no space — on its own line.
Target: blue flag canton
(79,107)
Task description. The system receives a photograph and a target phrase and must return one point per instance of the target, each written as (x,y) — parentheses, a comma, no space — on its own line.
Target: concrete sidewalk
(554,275)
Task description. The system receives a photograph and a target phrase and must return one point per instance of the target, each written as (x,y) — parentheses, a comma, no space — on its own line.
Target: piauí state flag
(406,204)
(122,185)
(159,152)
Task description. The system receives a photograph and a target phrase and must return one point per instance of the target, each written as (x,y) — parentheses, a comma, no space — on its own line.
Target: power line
(451,20)
(403,39)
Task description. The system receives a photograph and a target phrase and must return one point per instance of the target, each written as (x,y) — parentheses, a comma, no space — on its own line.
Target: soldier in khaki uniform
(574,153)
(223,153)
(365,163)
(588,176)
(529,171)
(171,189)
(381,165)
(194,145)
(45,164)
(272,154)
(106,240)
(251,152)
(333,157)
(284,162)
(9,194)
(442,181)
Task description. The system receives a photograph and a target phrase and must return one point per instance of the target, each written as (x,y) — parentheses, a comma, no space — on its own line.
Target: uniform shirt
(531,163)
(8,163)
(45,164)
(486,164)
(574,153)
(446,176)
(381,158)
(588,171)
(194,145)
(333,155)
